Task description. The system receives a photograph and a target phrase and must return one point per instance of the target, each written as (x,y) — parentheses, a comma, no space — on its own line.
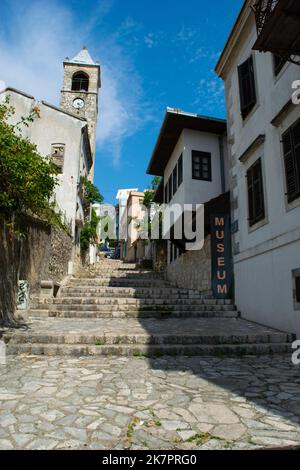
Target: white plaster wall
(137,215)
(263,278)
(193,191)
(55,127)
(264,287)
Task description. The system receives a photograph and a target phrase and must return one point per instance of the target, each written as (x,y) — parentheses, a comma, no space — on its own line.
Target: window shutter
(175,180)
(170,188)
(255,193)
(180,171)
(166,193)
(259,208)
(290,166)
(297,282)
(247,86)
(250,197)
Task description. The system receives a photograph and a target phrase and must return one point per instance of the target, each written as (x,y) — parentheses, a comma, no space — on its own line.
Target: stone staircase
(118,309)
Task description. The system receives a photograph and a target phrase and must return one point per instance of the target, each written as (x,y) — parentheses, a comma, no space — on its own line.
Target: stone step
(122,282)
(167,309)
(132,314)
(120,292)
(130,336)
(220,330)
(119,270)
(144,339)
(148,351)
(126,301)
(130,274)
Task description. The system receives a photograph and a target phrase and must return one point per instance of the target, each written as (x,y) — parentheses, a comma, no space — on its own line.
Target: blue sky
(153,54)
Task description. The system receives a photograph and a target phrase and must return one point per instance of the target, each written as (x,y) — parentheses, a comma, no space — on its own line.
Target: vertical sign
(222,272)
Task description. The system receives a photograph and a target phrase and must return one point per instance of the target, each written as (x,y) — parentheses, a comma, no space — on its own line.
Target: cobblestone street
(141,403)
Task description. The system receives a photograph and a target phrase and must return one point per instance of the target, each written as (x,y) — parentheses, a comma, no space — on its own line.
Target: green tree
(27,178)
(91,193)
(155,182)
(88,232)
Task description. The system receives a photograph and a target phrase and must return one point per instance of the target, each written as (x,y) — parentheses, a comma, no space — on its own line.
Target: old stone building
(80,92)
(66,134)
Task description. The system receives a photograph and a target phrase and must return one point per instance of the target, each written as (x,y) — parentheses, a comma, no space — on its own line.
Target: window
(175,180)
(255,193)
(170,188)
(201,165)
(279,63)
(180,171)
(247,87)
(58,155)
(291,153)
(297,284)
(166,193)
(80,82)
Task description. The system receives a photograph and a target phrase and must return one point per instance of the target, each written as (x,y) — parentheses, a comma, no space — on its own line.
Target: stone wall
(159,253)
(192,270)
(42,253)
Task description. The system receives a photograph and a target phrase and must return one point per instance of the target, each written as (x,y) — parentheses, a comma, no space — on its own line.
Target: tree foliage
(148,198)
(27,178)
(91,193)
(150,193)
(88,233)
(155,182)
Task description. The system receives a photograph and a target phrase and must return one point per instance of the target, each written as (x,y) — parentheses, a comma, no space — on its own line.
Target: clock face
(78,103)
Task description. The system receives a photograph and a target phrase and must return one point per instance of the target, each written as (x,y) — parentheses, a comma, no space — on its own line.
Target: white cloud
(149,40)
(209,95)
(33,44)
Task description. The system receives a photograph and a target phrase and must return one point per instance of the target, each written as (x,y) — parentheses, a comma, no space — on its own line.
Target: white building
(67,134)
(264,142)
(122,197)
(191,157)
(64,138)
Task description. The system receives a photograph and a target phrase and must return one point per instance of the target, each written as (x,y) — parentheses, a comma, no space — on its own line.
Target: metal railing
(263,10)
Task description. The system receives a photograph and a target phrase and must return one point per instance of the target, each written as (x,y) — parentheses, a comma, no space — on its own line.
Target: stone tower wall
(90,110)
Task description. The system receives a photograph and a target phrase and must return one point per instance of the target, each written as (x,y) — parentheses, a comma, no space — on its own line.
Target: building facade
(122,198)
(67,135)
(264,146)
(80,93)
(132,221)
(64,138)
(191,158)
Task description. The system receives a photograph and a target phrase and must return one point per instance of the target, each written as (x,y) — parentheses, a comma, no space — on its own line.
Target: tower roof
(83,58)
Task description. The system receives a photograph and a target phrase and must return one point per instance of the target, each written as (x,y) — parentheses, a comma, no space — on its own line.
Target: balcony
(278,28)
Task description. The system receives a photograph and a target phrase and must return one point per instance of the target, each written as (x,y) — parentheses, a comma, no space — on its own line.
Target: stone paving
(139,403)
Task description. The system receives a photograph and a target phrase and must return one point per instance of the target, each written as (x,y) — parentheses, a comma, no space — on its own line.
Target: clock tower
(80,92)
